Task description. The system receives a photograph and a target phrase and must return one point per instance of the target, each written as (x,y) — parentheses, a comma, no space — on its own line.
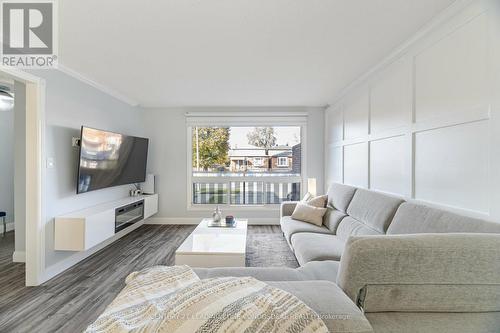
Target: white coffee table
(214,247)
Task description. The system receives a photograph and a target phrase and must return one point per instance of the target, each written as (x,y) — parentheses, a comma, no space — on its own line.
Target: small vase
(217,214)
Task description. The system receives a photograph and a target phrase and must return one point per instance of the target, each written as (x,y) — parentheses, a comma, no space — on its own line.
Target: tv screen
(110,159)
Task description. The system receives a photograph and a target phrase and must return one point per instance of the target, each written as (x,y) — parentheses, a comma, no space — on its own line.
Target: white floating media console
(84,229)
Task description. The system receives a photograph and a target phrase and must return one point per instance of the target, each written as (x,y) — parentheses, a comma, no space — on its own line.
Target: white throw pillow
(307,197)
(307,213)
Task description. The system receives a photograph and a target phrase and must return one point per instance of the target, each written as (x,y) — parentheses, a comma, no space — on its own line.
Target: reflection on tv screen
(110,159)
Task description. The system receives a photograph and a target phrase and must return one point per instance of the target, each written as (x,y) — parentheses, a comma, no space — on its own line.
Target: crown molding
(108,91)
(232,108)
(430,26)
(19,75)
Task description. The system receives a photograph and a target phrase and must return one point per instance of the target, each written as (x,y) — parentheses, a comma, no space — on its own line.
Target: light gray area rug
(266,247)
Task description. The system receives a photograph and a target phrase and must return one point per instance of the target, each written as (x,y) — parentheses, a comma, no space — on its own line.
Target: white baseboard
(10,226)
(19,256)
(196,220)
(172,220)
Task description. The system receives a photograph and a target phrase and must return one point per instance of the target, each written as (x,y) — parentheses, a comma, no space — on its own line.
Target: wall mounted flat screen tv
(110,159)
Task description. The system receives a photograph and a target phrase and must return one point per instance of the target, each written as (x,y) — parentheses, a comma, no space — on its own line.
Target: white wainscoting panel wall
(390,98)
(451,166)
(356,116)
(425,122)
(451,75)
(356,164)
(388,167)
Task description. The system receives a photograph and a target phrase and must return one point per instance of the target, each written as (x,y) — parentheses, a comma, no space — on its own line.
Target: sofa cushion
(340,195)
(373,209)
(412,218)
(336,310)
(315,270)
(422,272)
(351,227)
(290,226)
(320,270)
(332,219)
(315,247)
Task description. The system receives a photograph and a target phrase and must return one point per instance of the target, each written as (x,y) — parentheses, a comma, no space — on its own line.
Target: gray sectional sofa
(355,212)
(380,264)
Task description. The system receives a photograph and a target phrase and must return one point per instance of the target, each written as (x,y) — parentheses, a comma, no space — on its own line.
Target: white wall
(426,124)
(7,166)
(70,104)
(167,129)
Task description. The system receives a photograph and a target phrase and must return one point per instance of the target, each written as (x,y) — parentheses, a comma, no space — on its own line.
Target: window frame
(260,161)
(283,165)
(302,179)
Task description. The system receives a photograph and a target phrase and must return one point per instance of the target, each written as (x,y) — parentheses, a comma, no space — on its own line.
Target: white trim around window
(247,119)
(256,118)
(283,162)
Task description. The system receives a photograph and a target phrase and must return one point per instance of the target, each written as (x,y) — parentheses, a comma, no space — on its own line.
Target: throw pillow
(319,201)
(306,197)
(307,213)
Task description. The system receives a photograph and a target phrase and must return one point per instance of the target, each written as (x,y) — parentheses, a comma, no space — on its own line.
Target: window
(243,165)
(283,161)
(258,161)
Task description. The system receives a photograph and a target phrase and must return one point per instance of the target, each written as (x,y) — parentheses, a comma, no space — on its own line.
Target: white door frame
(35,136)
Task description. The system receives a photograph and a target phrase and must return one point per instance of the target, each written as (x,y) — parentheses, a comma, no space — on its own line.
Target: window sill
(234,208)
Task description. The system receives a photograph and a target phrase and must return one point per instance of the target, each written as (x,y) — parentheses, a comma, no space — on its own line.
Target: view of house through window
(246,165)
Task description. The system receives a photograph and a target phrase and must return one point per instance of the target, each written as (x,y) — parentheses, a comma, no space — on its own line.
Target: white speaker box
(148,187)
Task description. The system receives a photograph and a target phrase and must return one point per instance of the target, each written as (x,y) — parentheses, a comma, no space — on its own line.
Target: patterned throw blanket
(174,299)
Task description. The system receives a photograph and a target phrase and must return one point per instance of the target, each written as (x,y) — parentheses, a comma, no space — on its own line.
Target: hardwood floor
(74,299)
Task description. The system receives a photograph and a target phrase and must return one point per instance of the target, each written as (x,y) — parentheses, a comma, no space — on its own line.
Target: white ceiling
(233,52)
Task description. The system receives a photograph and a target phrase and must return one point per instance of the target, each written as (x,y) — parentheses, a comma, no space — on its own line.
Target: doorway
(7,160)
(24,206)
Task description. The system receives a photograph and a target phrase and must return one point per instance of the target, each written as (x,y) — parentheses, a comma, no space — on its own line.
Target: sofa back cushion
(412,218)
(332,219)
(422,273)
(351,227)
(370,213)
(340,195)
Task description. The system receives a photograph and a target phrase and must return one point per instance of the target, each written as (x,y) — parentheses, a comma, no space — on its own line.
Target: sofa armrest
(287,208)
(422,272)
